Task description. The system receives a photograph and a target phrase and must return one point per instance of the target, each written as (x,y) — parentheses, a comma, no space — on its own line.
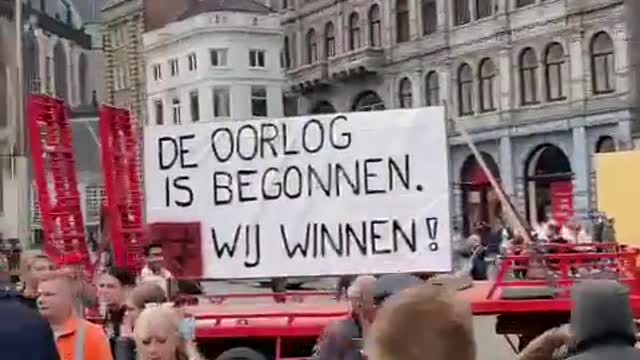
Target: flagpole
(20,141)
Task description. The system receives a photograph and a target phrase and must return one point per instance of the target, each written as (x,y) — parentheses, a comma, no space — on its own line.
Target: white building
(217,60)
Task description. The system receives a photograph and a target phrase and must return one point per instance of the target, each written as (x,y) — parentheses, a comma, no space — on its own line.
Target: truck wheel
(241,353)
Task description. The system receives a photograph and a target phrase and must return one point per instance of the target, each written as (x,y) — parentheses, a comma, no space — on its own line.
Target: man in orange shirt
(76,338)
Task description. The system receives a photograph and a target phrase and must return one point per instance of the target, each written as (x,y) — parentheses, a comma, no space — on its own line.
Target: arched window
(312,47)
(60,76)
(375,26)
(329,40)
(406,95)
(83,68)
(487,85)
(528,77)
(554,62)
(354,31)
(368,101)
(605,144)
(602,63)
(465,90)
(402,21)
(432,89)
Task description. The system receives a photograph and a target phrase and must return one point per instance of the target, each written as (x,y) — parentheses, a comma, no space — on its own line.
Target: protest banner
(308,196)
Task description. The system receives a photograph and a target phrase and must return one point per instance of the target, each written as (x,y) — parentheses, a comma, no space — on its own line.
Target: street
(490,346)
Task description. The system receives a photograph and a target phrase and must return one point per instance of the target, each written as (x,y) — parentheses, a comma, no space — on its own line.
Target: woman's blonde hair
(167,317)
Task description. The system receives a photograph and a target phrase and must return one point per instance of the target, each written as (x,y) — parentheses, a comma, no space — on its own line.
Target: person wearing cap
(602,327)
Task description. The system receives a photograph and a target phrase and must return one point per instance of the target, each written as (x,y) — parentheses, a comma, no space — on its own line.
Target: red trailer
(261,326)
(530,295)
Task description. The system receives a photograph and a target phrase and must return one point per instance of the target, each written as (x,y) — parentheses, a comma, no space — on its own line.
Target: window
(330,40)
(432,88)
(175,107)
(465,90)
(402,21)
(259,101)
(521,3)
(257,58)
(354,31)
(406,95)
(375,26)
(157,72)
(461,12)
(194,105)
(221,102)
(429,17)
(175,67)
(159,112)
(554,70)
(218,57)
(602,64)
(286,53)
(312,47)
(193,62)
(487,85)
(528,77)
(484,8)
(285,4)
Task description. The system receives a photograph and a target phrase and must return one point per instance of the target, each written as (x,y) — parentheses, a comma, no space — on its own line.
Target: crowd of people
(402,317)
(47,315)
(479,253)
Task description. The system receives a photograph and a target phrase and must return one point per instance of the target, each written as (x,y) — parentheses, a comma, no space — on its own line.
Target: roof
(204,6)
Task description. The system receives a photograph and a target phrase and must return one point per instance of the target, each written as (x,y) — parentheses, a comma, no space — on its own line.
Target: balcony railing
(356,63)
(308,77)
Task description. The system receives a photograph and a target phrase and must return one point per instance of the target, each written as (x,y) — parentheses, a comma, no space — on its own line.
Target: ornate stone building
(541,85)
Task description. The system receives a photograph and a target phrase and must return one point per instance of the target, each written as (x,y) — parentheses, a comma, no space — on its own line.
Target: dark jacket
(602,322)
(339,341)
(124,349)
(24,334)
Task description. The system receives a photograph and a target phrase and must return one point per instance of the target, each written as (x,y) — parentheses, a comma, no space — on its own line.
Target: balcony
(356,63)
(308,77)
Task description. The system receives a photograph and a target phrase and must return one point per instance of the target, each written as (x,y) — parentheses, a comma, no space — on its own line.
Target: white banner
(315,195)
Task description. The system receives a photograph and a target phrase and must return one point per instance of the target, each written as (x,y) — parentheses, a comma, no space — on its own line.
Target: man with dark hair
(154,270)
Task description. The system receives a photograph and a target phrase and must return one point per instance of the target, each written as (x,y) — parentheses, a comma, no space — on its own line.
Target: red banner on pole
(562,201)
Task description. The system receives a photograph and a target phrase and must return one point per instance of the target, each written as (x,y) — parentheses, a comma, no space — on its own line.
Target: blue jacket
(24,334)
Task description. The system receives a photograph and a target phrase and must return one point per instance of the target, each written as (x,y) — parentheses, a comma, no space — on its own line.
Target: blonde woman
(33,265)
(159,334)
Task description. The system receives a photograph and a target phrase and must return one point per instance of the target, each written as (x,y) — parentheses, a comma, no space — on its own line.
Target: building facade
(123,25)
(57,59)
(541,86)
(217,60)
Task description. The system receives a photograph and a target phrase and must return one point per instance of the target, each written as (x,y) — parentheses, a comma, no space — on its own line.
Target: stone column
(581,169)
(506,166)
(621,53)
(575,62)
(505,77)
(414,19)
(418,89)
(443,12)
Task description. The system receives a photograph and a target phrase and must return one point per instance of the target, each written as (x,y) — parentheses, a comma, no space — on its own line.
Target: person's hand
(565,334)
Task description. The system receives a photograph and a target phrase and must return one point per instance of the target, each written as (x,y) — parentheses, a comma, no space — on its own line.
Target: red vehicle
(531,293)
